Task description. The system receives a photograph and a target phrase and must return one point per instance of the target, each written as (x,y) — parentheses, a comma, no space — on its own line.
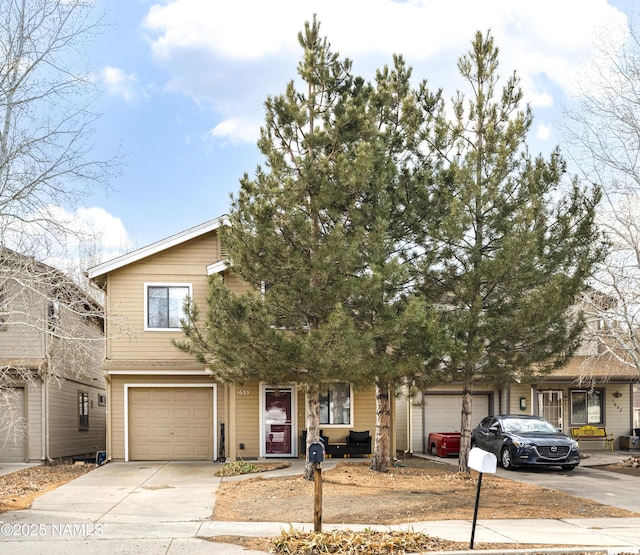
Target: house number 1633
(243,392)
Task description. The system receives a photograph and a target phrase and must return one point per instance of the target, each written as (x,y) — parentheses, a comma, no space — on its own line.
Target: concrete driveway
(155,507)
(617,490)
(610,488)
(165,507)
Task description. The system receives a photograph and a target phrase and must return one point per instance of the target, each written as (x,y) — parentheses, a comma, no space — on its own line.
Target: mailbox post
(316,456)
(482,461)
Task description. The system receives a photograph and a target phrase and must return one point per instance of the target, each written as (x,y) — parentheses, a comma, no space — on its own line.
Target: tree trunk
(382,448)
(313,426)
(465,423)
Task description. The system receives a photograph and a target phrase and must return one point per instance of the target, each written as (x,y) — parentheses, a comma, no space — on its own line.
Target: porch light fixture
(617,394)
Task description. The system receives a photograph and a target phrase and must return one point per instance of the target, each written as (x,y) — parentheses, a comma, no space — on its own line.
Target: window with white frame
(335,405)
(164,305)
(587,406)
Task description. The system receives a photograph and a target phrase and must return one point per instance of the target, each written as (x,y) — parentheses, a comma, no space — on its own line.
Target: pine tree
(315,234)
(398,323)
(512,248)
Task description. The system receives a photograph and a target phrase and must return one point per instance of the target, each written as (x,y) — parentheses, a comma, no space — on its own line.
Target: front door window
(278,422)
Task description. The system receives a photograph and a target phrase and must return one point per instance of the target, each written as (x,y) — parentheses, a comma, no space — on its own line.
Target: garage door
(12,436)
(170,423)
(442,412)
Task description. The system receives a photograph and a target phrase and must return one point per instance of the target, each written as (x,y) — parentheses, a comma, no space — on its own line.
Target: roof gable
(99,270)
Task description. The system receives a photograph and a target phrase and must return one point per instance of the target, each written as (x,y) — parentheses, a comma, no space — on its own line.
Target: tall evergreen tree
(313,233)
(398,324)
(513,249)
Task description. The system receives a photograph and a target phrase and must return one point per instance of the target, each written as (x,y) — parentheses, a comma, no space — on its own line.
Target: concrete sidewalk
(165,508)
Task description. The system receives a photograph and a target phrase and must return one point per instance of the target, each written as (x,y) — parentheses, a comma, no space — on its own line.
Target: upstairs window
(53,316)
(4,309)
(165,305)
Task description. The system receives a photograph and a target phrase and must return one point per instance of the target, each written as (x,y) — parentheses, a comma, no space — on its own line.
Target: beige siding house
(53,394)
(162,404)
(592,389)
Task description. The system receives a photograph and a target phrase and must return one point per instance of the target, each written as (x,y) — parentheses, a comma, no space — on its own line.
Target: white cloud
(231,55)
(543,132)
(254,29)
(119,83)
(71,241)
(108,229)
(237,130)
(91,234)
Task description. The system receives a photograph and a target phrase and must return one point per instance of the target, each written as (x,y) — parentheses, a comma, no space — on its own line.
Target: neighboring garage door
(442,412)
(170,423)
(12,436)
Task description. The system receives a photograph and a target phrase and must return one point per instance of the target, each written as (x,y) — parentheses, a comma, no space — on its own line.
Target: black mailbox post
(316,456)
(316,452)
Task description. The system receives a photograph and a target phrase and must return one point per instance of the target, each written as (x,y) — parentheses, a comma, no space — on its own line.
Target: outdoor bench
(593,433)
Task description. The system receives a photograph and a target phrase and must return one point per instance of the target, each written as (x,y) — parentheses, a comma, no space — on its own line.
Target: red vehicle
(444,444)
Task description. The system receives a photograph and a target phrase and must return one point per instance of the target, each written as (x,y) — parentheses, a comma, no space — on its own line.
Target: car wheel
(505,458)
(568,466)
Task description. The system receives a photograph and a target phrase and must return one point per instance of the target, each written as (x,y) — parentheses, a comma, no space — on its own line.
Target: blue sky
(184,83)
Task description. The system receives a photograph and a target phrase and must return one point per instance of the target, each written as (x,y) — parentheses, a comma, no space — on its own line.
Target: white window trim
(146,301)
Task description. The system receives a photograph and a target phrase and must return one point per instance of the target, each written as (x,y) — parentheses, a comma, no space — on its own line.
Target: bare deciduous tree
(601,133)
(47,160)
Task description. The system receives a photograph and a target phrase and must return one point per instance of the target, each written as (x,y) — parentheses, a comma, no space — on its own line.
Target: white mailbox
(482,460)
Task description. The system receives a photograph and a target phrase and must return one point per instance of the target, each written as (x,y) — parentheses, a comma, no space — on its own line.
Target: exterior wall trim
(127,386)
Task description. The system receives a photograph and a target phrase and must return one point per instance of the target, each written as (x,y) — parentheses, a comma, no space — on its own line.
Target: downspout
(47,419)
(409,449)
(43,418)
(44,376)
(107,415)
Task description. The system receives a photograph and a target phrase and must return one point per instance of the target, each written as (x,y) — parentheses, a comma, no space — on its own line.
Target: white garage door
(170,423)
(12,436)
(442,412)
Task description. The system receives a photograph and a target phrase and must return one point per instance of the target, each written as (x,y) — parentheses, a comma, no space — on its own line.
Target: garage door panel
(201,413)
(201,395)
(161,396)
(442,413)
(180,426)
(183,414)
(163,412)
(201,432)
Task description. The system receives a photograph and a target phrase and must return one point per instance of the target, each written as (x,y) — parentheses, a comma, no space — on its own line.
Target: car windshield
(516,425)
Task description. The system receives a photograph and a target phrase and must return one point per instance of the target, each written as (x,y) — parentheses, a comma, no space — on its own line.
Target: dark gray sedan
(525,441)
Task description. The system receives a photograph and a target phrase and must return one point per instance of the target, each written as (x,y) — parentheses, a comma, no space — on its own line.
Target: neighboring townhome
(163,405)
(52,391)
(594,388)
